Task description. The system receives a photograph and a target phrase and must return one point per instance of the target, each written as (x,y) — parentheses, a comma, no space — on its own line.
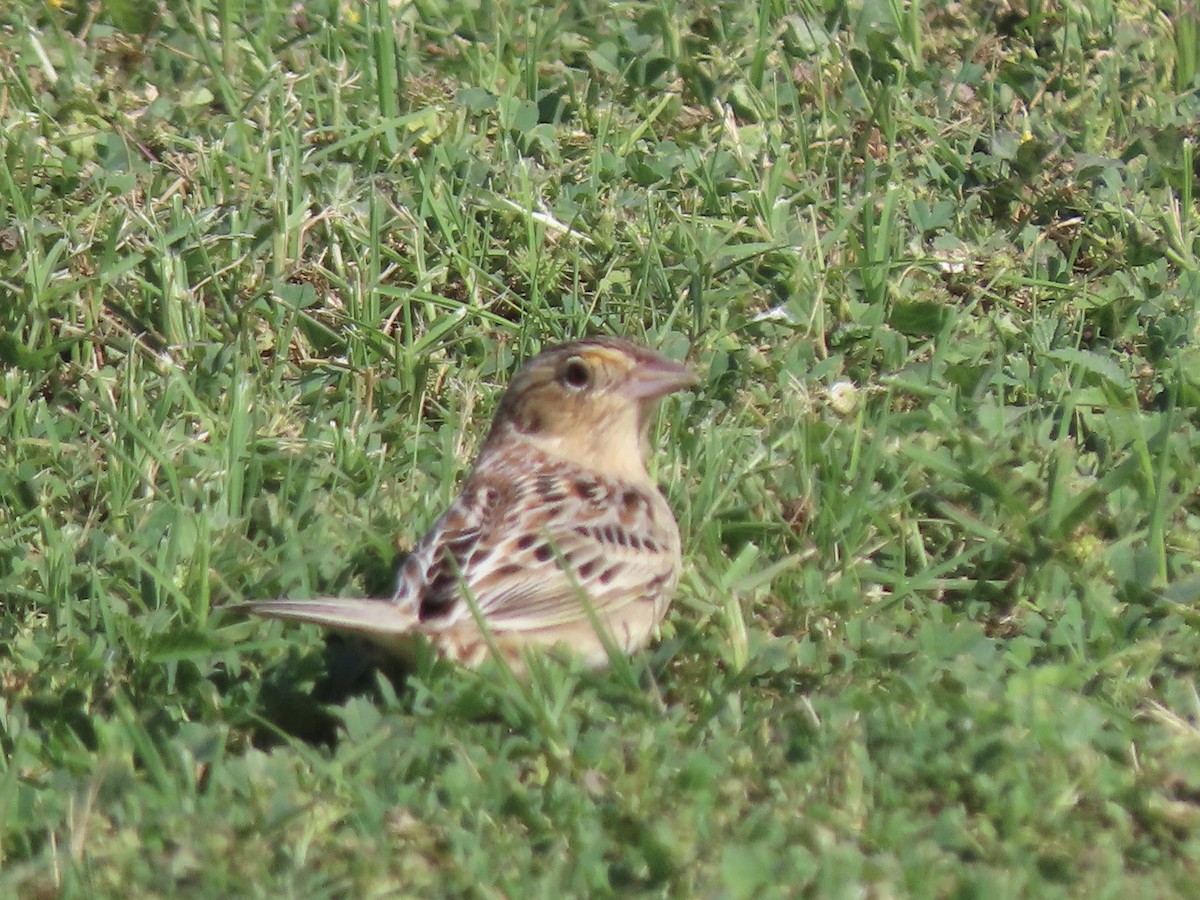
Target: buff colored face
(591,402)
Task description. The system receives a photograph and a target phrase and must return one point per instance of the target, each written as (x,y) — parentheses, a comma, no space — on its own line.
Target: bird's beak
(656,376)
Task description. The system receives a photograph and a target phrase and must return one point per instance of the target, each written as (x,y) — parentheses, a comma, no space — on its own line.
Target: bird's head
(590,401)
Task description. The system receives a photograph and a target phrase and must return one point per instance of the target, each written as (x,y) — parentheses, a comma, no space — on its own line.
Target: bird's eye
(576,374)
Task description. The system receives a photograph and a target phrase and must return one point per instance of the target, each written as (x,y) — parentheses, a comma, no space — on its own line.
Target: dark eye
(576,374)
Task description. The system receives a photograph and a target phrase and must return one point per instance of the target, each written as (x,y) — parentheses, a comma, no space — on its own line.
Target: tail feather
(376,619)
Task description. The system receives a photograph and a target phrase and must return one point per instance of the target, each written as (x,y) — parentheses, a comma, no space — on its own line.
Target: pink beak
(656,376)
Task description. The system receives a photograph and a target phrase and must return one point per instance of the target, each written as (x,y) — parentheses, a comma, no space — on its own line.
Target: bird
(558,537)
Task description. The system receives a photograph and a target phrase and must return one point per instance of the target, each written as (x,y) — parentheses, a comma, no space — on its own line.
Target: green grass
(263,269)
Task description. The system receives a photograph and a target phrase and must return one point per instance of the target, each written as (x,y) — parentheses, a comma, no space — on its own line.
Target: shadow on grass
(297,696)
(294,706)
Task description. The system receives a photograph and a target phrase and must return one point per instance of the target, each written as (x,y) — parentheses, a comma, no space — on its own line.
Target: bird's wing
(538,547)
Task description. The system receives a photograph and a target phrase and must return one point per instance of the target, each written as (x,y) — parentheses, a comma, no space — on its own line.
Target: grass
(264,266)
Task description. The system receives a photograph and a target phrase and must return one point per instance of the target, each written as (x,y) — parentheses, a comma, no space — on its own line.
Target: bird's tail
(382,621)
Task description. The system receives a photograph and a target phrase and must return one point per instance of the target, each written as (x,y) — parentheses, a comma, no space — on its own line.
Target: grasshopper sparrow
(558,529)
